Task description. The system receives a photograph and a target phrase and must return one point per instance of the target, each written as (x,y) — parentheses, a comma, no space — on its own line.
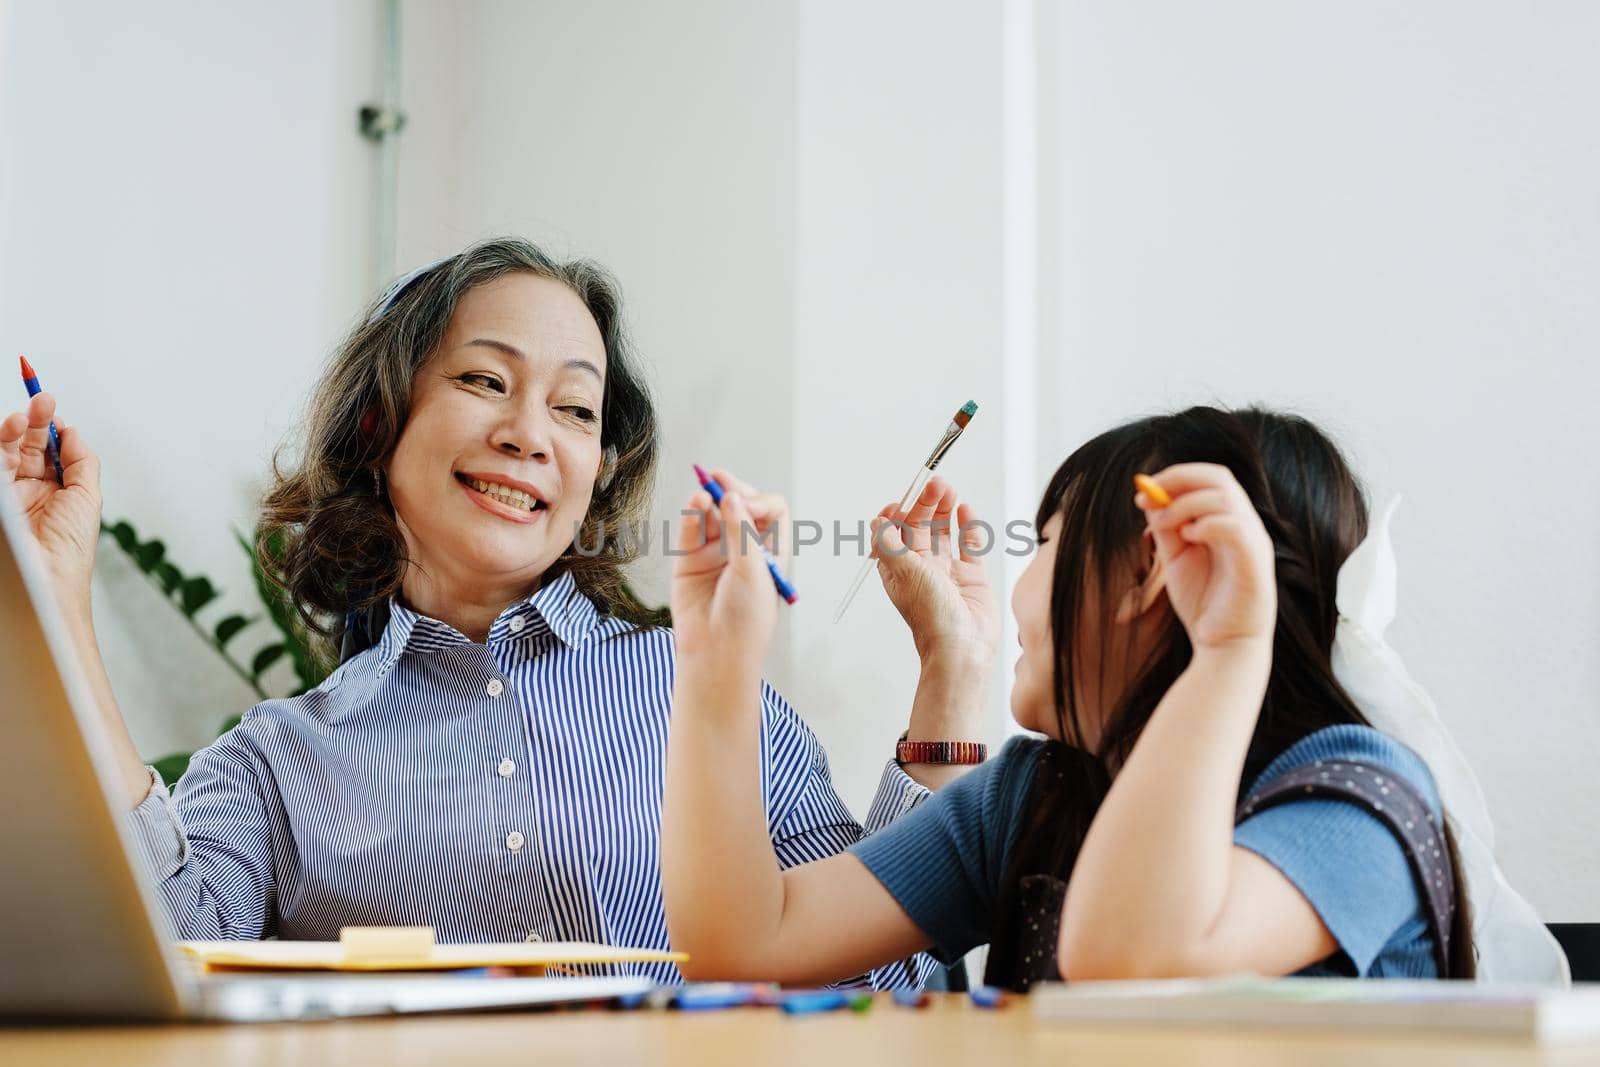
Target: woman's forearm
(1152,876)
(720,879)
(133,780)
(948,706)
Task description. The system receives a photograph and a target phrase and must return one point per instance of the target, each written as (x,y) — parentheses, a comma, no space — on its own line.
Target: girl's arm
(728,905)
(1159,888)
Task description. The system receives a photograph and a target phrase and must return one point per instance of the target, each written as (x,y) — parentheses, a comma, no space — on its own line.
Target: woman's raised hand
(1215,554)
(929,560)
(724,605)
(65,518)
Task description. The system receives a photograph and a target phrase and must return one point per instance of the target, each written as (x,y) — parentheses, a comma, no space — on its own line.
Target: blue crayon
(810,1002)
(910,998)
(30,381)
(714,487)
(715,996)
(987,996)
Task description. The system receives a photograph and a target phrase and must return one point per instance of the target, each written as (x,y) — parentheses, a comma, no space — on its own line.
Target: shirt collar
(558,607)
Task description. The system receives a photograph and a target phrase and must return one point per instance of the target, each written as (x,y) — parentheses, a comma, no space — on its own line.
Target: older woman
(488,758)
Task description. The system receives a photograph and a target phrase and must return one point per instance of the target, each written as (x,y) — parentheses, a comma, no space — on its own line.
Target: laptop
(82,932)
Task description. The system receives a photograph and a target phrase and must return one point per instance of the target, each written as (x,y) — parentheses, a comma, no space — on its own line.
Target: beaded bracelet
(963,752)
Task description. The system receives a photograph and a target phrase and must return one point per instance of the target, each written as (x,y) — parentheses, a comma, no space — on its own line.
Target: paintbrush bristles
(964,416)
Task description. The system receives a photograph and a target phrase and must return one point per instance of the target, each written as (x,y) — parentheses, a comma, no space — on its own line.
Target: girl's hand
(935,577)
(1215,555)
(724,605)
(65,518)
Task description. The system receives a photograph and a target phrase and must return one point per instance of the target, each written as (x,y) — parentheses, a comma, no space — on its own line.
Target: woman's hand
(724,605)
(65,518)
(1215,555)
(928,560)
(66,522)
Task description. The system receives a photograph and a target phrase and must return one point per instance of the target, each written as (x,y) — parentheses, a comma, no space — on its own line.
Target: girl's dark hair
(1316,513)
(333,545)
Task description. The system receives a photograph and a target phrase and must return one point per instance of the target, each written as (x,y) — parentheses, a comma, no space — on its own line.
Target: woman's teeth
(513,497)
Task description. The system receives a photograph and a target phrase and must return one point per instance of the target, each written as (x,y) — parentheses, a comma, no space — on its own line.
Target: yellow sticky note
(372,943)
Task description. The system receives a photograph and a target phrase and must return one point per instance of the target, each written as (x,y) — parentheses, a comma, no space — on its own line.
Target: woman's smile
(504,498)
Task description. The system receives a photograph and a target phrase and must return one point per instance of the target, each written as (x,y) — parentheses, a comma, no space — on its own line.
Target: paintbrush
(957,423)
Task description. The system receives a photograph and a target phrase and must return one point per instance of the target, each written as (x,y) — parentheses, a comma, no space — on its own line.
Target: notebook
(408,949)
(1540,1013)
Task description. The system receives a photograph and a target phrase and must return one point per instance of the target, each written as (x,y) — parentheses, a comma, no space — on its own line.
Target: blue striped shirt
(504,791)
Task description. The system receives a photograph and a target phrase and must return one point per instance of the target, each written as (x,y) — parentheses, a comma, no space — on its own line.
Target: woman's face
(1119,646)
(497,461)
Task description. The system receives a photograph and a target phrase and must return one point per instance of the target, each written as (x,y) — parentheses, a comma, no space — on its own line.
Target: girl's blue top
(945,861)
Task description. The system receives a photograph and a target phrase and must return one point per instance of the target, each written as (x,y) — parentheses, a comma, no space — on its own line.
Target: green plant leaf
(149,554)
(169,577)
(309,668)
(266,658)
(230,626)
(123,533)
(229,723)
(171,767)
(197,593)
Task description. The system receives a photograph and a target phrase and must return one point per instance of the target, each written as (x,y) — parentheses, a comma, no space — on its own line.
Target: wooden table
(951,1031)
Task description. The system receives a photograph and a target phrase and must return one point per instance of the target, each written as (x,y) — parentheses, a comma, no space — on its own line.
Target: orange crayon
(1147,485)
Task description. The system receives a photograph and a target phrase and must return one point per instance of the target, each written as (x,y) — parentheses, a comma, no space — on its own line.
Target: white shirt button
(517,624)
(507,768)
(532,938)
(496,687)
(514,841)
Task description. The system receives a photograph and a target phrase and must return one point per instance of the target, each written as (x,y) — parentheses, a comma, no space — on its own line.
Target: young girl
(1208,799)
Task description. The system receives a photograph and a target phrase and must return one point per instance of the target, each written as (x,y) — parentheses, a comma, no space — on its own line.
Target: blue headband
(399,286)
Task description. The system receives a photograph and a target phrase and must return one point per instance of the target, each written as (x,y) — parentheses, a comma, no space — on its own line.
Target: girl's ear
(1144,595)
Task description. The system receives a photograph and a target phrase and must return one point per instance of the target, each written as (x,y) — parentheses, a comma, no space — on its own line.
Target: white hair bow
(1512,943)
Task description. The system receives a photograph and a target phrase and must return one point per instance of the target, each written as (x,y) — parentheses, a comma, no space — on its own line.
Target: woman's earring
(377,483)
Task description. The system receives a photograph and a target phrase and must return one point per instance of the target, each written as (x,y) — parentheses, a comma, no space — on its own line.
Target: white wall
(185,236)
(899,320)
(1384,216)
